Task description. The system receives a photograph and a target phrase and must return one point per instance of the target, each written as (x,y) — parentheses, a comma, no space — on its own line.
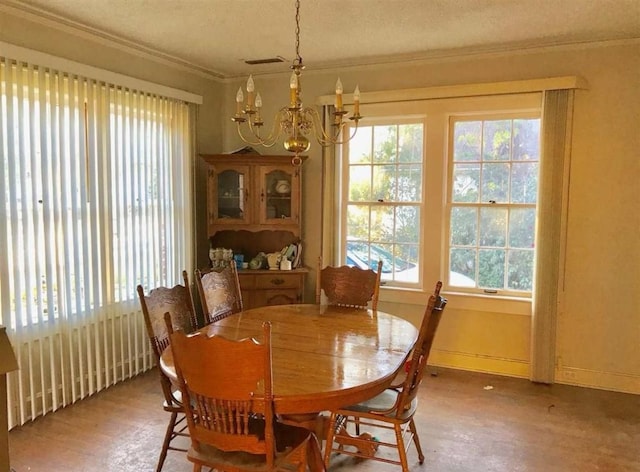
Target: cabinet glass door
(230,195)
(279,195)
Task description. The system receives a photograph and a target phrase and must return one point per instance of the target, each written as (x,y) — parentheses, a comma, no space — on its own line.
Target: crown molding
(41,59)
(66,25)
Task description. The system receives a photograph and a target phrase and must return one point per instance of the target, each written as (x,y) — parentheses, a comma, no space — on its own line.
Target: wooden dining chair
(348,286)
(177,302)
(228,398)
(400,376)
(219,291)
(393,409)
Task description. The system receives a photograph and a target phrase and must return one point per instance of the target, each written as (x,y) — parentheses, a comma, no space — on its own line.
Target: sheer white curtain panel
(553,194)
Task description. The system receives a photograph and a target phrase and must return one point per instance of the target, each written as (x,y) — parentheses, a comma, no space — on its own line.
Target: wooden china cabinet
(253,206)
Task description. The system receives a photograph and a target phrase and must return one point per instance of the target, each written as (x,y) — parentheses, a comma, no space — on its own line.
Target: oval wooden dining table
(323,357)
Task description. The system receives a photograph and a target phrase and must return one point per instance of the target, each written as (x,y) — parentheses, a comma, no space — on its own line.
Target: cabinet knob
(277,281)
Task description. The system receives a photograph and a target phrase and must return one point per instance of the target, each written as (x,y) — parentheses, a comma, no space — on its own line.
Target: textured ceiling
(217,36)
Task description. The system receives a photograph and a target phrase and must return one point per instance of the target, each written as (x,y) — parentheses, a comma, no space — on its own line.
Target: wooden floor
(463,426)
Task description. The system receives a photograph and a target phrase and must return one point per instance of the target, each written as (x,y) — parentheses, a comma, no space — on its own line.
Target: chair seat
(175,404)
(288,438)
(382,403)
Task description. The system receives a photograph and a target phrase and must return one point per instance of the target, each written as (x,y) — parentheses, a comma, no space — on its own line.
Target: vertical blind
(95,199)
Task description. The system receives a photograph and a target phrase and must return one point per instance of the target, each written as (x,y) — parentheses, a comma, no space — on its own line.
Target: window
(94,199)
(493,194)
(92,176)
(384,196)
(444,189)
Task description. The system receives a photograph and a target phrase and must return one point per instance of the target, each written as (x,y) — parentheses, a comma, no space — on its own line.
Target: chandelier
(293,120)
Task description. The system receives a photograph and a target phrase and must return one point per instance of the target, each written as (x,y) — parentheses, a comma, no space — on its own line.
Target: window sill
(459,300)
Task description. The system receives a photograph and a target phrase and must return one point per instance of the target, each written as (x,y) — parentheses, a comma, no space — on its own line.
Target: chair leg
(331,430)
(416,441)
(167,439)
(314,456)
(401,450)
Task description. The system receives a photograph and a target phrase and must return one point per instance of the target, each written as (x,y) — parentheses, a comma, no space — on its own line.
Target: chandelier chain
(295,120)
(298,59)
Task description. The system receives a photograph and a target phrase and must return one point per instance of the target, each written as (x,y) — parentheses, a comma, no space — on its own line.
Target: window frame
(437,112)
(481,116)
(344,191)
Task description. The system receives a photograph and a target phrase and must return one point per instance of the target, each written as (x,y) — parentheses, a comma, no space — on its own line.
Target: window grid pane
(385,200)
(493,201)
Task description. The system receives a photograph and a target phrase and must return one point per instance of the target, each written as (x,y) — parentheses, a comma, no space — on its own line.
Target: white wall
(598,337)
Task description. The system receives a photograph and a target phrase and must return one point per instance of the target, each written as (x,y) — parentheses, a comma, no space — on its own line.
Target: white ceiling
(216,36)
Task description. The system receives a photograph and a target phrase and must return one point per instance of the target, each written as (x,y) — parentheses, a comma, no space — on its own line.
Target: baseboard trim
(601,380)
(480,363)
(612,381)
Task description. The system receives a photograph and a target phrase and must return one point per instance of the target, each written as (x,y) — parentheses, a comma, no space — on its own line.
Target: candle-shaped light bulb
(257,118)
(250,92)
(293,90)
(356,101)
(338,95)
(239,100)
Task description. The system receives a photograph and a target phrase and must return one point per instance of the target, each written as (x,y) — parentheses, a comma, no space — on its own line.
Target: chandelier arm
(274,134)
(257,142)
(353,133)
(320,134)
(276,128)
(323,137)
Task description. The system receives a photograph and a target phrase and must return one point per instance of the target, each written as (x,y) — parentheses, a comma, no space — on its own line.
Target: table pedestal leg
(315,422)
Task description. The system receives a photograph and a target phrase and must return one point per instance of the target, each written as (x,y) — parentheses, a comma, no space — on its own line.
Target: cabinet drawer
(247,281)
(277,281)
(276,297)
